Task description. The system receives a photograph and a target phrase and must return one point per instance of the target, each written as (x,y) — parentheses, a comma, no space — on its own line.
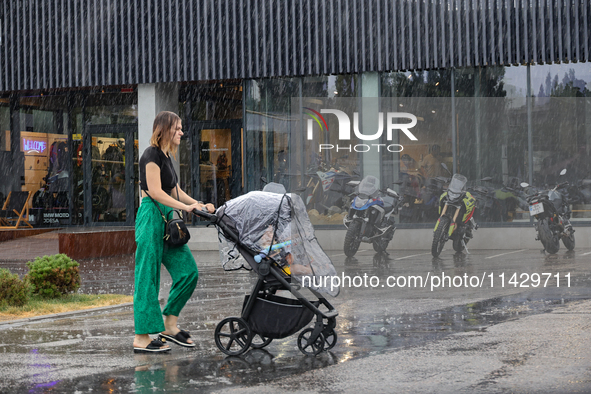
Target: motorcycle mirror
(391,193)
(524,184)
(563,172)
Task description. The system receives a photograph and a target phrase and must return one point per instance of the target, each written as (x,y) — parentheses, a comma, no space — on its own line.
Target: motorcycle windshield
(456,187)
(369,185)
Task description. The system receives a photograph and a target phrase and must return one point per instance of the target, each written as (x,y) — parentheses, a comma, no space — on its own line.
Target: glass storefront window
(111,119)
(325,173)
(425,94)
(269,129)
(485,128)
(417,164)
(212,150)
(44,144)
(491,136)
(561,128)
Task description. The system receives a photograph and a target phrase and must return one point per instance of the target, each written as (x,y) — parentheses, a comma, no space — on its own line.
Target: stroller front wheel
(310,349)
(233,336)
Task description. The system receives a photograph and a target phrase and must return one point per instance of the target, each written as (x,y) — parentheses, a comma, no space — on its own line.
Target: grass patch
(38,306)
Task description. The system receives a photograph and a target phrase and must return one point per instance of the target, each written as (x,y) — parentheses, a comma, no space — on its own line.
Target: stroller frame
(234,335)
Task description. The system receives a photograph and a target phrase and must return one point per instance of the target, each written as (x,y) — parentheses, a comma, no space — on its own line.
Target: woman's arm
(184,197)
(156,192)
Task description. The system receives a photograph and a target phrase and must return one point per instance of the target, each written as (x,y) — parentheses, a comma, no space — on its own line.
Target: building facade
(499,89)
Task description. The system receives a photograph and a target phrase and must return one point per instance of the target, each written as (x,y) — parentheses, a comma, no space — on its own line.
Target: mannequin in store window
(431,164)
(222,162)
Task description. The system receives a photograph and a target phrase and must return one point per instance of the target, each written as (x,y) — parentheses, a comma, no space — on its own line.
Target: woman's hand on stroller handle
(206,212)
(200,206)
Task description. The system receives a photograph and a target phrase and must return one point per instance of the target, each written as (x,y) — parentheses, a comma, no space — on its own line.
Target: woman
(159,186)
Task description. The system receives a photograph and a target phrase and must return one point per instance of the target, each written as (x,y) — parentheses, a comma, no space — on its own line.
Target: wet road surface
(376,319)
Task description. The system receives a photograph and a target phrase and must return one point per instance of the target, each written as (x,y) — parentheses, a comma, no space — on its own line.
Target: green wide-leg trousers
(150,254)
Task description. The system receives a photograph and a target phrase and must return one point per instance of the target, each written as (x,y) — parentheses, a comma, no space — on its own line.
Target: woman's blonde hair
(163,131)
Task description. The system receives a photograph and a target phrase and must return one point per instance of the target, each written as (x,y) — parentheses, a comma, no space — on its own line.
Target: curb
(62,314)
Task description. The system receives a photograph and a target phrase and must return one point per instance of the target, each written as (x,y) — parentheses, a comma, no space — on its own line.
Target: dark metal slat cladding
(61,43)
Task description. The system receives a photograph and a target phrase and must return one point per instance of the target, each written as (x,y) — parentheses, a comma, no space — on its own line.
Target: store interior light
(432,111)
(335,92)
(401,105)
(437,84)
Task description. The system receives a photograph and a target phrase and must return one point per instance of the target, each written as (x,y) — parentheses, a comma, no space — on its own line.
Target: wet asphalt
(491,328)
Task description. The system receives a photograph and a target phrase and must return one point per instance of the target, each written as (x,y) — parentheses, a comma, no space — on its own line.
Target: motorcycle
(327,189)
(551,209)
(370,217)
(454,202)
(421,198)
(53,194)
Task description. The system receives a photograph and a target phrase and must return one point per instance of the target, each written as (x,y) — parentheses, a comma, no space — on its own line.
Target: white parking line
(585,254)
(414,255)
(503,254)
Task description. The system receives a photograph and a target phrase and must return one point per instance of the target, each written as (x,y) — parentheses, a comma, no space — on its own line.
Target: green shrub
(53,276)
(13,291)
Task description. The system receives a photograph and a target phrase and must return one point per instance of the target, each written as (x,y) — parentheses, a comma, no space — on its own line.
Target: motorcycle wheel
(458,247)
(100,199)
(439,236)
(352,238)
(569,242)
(550,241)
(380,245)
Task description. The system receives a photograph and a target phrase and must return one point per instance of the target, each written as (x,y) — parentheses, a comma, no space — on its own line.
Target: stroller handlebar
(204,214)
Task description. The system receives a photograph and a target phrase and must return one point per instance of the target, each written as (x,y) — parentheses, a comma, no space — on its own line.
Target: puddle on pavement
(359,336)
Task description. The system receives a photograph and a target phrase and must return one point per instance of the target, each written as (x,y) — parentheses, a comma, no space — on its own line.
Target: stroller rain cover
(258,215)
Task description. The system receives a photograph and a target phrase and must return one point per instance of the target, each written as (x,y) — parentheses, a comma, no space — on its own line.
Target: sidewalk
(28,248)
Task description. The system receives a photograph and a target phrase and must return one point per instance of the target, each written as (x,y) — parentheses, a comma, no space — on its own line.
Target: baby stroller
(271,234)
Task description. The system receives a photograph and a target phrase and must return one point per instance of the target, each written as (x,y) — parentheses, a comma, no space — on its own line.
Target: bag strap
(157,206)
(177,193)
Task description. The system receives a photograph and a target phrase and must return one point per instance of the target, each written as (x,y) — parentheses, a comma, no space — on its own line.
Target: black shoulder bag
(175,230)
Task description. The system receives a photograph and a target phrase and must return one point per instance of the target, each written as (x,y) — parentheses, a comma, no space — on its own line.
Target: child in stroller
(249,227)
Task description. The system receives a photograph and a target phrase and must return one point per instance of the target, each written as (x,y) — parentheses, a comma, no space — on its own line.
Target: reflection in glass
(108,177)
(215,165)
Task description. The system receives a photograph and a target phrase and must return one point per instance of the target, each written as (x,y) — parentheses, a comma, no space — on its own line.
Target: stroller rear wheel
(233,336)
(259,341)
(310,349)
(330,339)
